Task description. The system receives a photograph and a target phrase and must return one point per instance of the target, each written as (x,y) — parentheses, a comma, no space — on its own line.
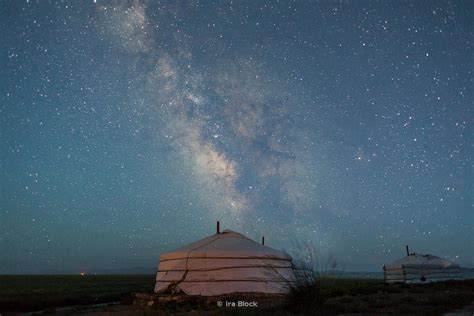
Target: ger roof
(419,259)
(228,244)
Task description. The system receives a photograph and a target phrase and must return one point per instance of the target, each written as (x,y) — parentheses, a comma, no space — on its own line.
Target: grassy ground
(340,296)
(37,292)
(328,296)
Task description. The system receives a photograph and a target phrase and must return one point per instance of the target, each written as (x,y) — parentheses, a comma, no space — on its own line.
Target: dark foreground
(329,296)
(38,292)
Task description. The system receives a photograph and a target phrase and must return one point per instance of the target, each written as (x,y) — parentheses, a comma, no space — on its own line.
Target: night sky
(130,128)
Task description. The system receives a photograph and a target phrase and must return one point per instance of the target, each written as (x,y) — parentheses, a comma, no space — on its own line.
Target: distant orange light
(82,273)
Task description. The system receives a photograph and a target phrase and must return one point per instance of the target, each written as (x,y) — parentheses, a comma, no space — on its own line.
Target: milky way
(129,128)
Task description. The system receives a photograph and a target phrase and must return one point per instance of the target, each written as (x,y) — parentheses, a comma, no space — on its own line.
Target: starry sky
(128,128)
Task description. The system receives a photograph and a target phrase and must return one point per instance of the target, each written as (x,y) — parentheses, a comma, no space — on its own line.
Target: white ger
(223,263)
(420,268)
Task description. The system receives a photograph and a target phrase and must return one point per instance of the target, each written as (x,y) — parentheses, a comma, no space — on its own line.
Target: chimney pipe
(408,252)
(263,240)
(218,228)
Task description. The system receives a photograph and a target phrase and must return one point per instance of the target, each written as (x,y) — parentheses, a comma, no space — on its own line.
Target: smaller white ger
(420,268)
(223,263)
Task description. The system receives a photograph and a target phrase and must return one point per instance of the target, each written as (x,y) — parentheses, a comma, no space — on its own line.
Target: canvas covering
(420,268)
(224,263)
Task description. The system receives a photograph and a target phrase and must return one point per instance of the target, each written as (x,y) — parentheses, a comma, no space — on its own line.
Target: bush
(306,296)
(311,271)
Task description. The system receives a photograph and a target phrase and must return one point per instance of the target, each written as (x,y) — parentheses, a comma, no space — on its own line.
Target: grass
(339,296)
(21,293)
(327,295)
